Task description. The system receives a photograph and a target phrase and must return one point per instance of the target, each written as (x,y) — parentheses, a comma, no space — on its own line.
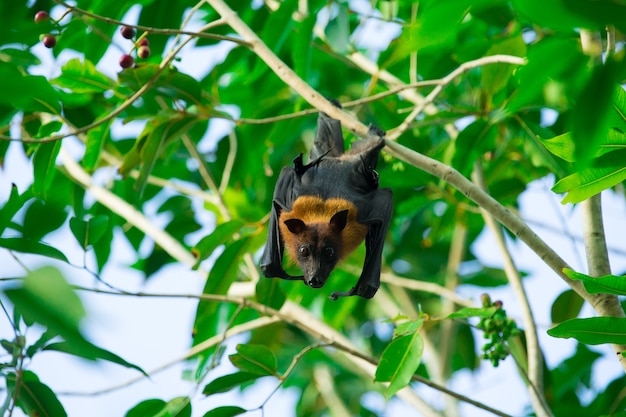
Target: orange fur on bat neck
(315,210)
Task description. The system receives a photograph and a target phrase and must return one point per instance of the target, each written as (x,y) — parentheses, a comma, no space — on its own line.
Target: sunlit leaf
(592,330)
(399,362)
(608,171)
(83,78)
(608,284)
(222,233)
(468,312)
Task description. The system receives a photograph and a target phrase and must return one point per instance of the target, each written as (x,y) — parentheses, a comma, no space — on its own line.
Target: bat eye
(329,252)
(304,251)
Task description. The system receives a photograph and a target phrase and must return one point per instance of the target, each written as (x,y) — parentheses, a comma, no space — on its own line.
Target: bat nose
(316,282)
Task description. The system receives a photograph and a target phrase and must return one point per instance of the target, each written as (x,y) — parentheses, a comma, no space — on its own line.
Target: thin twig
(153,30)
(393,134)
(535,362)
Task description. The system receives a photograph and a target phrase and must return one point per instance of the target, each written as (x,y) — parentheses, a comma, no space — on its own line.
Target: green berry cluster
(498,328)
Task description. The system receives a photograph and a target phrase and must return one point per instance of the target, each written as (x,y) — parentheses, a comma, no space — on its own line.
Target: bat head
(316,246)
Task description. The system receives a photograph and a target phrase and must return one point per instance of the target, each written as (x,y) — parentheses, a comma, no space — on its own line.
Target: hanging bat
(323,210)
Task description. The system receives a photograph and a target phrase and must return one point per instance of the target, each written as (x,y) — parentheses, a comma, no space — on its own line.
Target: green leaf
(556,14)
(496,76)
(221,276)
(34,397)
(227,382)
(41,218)
(608,284)
(222,234)
(89,232)
(11,207)
(592,330)
(171,82)
(399,362)
(548,80)
(27,92)
(147,408)
(96,139)
(148,146)
(566,306)
(437,25)
(92,353)
(225,411)
(472,141)
(255,359)
(269,293)
(46,298)
(468,312)
(408,327)
(608,171)
(592,113)
(177,407)
(83,78)
(31,246)
(44,163)
(154,407)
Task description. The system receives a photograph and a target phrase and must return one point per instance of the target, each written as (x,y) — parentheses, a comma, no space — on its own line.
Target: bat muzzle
(315,282)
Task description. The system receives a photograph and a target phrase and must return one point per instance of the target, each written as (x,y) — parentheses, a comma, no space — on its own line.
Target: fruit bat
(323,210)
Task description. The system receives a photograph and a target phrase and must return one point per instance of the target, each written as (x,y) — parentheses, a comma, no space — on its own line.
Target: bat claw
(336,294)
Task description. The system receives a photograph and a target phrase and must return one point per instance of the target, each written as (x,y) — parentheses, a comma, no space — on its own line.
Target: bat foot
(336,294)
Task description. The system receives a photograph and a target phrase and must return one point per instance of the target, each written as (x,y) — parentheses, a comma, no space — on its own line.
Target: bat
(322,211)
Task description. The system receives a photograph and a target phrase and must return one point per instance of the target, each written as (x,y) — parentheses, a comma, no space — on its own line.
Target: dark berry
(41,16)
(126,61)
(49,41)
(143,52)
(143,42)
(127,32)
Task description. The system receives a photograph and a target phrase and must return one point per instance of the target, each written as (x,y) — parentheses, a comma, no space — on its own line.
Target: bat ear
(339,220)
(295,226)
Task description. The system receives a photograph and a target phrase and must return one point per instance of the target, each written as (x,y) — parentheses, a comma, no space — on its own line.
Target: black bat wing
(375,211)
(285,194)
(328,139)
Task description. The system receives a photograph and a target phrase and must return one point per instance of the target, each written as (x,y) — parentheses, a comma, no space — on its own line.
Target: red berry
(49,41)
(126,61)
(143,42)
(143,52)
(127,32)
(41,16)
